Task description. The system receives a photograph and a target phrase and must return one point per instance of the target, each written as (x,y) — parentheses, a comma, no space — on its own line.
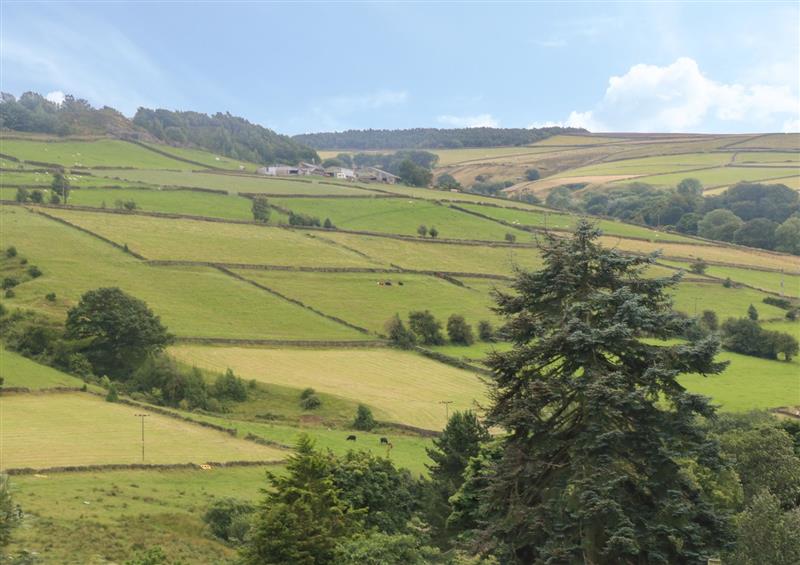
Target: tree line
(766,216)
(429,138)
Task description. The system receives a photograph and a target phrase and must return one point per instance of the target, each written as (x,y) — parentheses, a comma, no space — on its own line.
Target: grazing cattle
(351,438)
(388,283)
(400,283)
(384,440)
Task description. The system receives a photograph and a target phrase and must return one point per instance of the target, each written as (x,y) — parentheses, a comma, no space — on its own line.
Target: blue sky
(300,67)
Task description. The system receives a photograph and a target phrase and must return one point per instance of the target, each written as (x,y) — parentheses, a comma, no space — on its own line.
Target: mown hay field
(447,257)
(578,140)
(104,153)
(397,216)
(233,182)
(198,240)
(458,156)
(62,429)
(359,299)
(654,165)
(401,386)
(192,301)
(691,297)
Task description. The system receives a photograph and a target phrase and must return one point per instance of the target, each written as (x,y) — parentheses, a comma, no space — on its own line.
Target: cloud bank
(478,121)
(680,98)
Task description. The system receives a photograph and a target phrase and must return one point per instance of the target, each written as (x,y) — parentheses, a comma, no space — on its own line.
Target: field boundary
(318,344)
(136,466)
(169,155)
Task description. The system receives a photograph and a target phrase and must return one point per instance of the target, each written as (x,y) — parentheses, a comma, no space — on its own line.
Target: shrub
(791,315)
(50,296)
(433,232)
(364,420)
(745,336)
(22,195)
(303,220)
(709,320)
(112,395)
(727,283)
(228,518)
(459,331)
(311,402)
(783,303)
(37,196)
(55,198)
(230,387)
(10,293)
(510,237)
(422,230)
(78,364)
(10,282)
(752,313)
(398,333)
(328,224)
(260,209)
(698,267)
(532,174)
(485,331)
(307,392)
(11,252)
(34,272)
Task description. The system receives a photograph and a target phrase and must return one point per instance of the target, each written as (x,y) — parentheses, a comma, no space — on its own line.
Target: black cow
(351,438)
(384,441)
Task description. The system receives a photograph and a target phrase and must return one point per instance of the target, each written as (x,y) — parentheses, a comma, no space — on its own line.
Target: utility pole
(142,417)
(447,404)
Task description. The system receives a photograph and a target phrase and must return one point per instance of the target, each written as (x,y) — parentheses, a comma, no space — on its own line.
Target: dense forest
(224,134)
(33,112)
(428,138)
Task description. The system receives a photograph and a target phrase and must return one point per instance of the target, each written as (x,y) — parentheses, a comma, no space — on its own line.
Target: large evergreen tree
(597,424)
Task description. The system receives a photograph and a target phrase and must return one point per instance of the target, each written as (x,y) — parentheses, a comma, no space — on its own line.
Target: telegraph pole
(142,417)
(447,404)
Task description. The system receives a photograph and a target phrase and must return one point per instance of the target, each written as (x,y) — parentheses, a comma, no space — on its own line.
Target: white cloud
(478,121)
(791,126)
(679,97)
(57,97)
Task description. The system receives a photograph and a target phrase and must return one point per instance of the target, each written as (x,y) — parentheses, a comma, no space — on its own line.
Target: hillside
(289,307)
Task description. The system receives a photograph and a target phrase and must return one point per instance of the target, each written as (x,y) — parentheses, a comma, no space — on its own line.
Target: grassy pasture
(357,298)
(191,301)
(732,255)
(440,256)
(128,510)
(226,206)
(777,157)
(765,280)
(205,157)
(726,302)
(558,220)
(103,153)
(792,328)
(721,175)
(42,181)
(81,429)
(19,371)
(449,157)
(398,216)
(196,240)
(749,383)
(231,182)
(653,165)
(578,140)
(400,386)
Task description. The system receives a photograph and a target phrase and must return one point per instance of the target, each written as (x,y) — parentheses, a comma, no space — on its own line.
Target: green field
(35,180)
(770,281)
(557,220)
(444,257)
(654,165)
(721,175)
(83,154)
(726,302)
(400,386)
(775,158)
(359,299)
(398,216)
(226,206)
(458,156)
(749,383)
(191,301)
(82,429)
(18,371)
(206,158)
(197,240)
(232,182)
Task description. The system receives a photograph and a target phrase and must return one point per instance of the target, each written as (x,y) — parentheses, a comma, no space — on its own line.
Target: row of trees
(59,191)
(425,329)
(33,112)
(428,138)
(752,214)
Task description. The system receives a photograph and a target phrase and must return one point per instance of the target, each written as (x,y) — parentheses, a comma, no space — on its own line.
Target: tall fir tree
(597,424)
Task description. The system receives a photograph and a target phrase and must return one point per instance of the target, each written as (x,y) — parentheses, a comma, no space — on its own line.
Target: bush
(303,220)
(328,224)
(229,519)
(230,387)
(422,230)
(50,296)
(55,198)
(307,392)
(699,267)
(532,174)
(791,315)
(34,272)
(398,333)
(311,402)
(485,331)
(510,237)
(364,420)
(752,313)
(22,195)
(11,252)
(112,395)
(37,197)
(10,282)
(433,232)
(745,336)
(727,283)
(459,331)
(782,303)
(10,293)
(260,209)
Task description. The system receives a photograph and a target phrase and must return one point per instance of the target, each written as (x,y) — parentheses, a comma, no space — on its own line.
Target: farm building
(279,170)
(341,173)
(374,174)
(311,169)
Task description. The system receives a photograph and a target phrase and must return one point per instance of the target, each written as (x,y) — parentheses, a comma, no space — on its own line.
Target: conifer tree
(597,424)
